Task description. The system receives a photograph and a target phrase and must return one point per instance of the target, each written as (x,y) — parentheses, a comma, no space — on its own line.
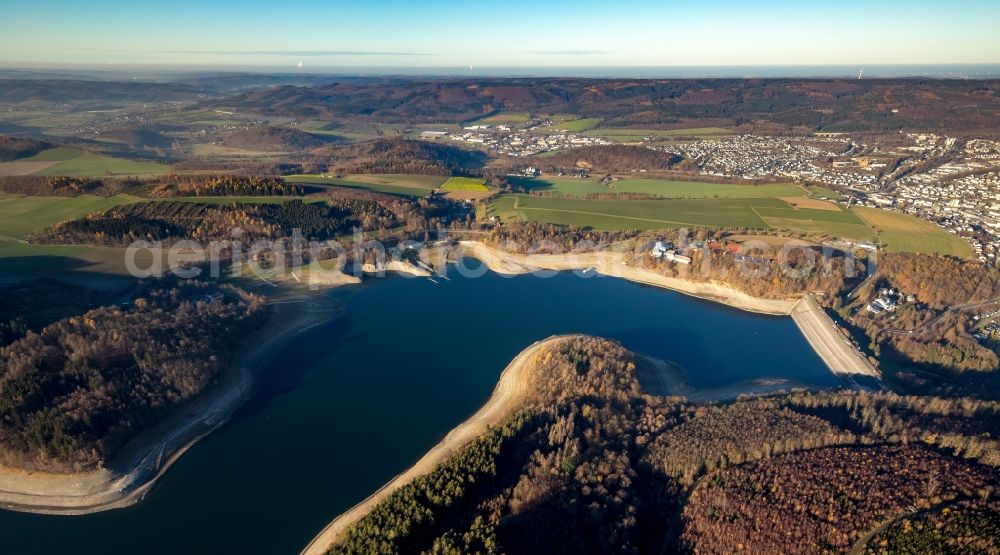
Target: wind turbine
(860,74)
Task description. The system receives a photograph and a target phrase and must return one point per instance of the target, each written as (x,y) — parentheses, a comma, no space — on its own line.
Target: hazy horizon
(874,71)
(316,35)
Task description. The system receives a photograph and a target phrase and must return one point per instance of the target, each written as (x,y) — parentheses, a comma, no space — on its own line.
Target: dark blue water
(354,402)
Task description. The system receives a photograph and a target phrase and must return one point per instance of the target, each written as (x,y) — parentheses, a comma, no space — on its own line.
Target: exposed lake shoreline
(129,476)
(507,397)
(613,264)
(132,473)
(821,334)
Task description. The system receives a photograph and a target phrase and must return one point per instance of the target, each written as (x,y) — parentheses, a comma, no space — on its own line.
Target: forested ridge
(397,155)
(180,185)
(72,394)
(13,148)
(593,465)
(333,214)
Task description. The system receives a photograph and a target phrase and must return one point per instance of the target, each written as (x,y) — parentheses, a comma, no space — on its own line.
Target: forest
(607,158)
(594,465)
(808,104)
(180,185)
(397,155)
(72,394)
(337,212)
(12,148)
(933,331)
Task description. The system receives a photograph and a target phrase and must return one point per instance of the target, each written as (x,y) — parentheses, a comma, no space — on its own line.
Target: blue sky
(513,33)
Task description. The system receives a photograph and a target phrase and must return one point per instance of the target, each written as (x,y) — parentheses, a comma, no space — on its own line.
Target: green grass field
(464,184)
(575,125)
(898,232)
(502,117)
(825,193)
(634,214)
(400,185)
(22,216)
(80,163)
(670,189)
(905,233)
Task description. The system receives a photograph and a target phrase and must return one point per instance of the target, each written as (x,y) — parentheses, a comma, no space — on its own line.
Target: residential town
(953,184)
(507,140)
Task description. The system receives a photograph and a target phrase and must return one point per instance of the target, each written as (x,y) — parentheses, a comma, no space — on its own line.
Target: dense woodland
(965,526)
(273,139)
(397,155)
(72,394)
(607,158)
(221,186)
(869,105)
(593,465)
(160,186)
(12,148)
(35,303)
(823,500)
(336,213)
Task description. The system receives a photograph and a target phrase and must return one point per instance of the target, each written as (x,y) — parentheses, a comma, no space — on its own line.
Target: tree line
(72,394)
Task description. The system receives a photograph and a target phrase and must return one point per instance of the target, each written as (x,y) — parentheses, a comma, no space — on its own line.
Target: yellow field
(810,203)
(905,233)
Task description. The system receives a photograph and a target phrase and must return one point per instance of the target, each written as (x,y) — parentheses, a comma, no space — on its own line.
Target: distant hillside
(608,158)
(273,139)
(399,156)
(102,92)
(827,104)
(12,148)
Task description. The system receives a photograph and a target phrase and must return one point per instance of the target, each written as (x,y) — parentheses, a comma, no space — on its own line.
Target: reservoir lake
(349,404)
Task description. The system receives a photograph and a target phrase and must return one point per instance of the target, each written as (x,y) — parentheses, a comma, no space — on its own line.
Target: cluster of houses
(506,140)
(665,250)
(989,331)
(888,301)
(668,251)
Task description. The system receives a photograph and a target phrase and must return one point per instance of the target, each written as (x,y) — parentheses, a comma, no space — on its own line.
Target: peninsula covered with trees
(72,394)
(592,464)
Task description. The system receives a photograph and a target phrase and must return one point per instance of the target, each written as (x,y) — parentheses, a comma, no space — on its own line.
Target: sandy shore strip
(613,264)
(133,472)
(507,397)
(665,379)
(839,354)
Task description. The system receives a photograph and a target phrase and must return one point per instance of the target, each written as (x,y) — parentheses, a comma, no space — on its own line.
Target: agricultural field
(21,217)
(905,233)
(464,184)
(823,192)
(501,118)
(811,203)
(634,214)
(401,185)
(220,151)
(669,189)
(80,163)
(573,125)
